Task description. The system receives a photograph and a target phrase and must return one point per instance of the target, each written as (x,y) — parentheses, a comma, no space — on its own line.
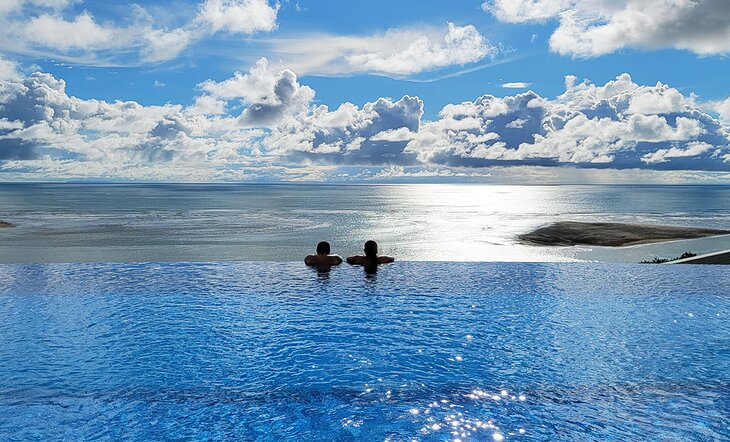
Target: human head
(323,248)
(371,248)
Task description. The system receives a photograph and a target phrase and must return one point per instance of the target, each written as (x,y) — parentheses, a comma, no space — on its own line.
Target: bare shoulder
(335,259)
(385,259)
(310,260)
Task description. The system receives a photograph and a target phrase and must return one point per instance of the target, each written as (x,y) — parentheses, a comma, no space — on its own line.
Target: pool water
(420,351)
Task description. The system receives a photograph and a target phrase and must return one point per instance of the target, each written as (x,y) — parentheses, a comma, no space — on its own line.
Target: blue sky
(356,91)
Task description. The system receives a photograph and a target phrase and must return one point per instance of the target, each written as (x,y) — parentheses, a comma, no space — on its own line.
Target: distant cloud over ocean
(266,117)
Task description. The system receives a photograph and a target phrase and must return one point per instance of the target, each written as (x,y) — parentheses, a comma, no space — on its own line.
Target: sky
(523,91)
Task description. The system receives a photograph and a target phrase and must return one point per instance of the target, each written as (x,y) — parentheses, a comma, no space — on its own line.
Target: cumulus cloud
(620,125)
(377,133)
(269,95)
(265,118)
(43,123)
(589,28)
(723,108)
(8,69)
(397,52)
(238,16)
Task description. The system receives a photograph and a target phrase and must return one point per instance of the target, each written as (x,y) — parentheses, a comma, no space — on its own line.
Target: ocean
(283,222)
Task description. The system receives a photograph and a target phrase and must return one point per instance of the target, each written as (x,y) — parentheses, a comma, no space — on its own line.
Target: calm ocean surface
(105,223)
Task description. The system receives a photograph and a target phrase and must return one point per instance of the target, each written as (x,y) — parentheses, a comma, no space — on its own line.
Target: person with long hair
(370,260)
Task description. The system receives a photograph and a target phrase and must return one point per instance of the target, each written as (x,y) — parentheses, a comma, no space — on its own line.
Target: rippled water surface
(421,351)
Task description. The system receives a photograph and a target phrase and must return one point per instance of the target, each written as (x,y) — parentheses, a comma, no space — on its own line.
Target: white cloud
(517,123)
(374,134)
(587,125)
(397,52)
(398,172)
(163,45)
(399,134)
(460,45)
(620,124)
(8,69)
(100,134)
(238,16)
(590,28)
(266,119)
(723,108)
(81,33)
(270,95)
(518,11)
(207,105)
(516,85)
(49,28)
(692,149)
(14,5)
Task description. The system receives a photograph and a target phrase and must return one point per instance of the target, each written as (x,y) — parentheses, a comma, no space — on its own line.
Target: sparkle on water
(274,351)
(125,223)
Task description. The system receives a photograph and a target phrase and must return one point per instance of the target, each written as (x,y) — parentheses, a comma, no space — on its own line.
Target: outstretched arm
(385,259)
(354,260)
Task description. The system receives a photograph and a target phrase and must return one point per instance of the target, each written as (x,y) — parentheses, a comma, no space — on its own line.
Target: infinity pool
(422,351)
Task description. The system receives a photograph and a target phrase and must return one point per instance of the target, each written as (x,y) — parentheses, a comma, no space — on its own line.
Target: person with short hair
(370,260)
(323,258)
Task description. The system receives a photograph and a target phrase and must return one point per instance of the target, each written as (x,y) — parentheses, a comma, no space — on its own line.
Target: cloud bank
(265,123)
(588,28)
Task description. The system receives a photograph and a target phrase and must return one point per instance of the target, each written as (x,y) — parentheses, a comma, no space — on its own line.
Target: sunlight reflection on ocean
(66,222)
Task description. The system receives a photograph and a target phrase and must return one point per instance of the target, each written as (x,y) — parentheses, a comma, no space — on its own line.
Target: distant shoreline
(571,233)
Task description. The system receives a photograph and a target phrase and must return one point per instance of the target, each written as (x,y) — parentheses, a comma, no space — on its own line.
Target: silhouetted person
(371,259)
(323,259)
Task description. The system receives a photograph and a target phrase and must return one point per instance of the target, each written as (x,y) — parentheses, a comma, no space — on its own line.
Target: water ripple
(426,351)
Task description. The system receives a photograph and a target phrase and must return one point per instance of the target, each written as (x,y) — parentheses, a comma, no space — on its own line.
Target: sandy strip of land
(570,233)
(6,225)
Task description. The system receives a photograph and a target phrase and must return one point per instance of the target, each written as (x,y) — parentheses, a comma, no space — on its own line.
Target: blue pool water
(422,351)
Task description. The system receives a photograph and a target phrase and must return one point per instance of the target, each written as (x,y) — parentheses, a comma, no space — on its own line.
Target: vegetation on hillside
(665,260)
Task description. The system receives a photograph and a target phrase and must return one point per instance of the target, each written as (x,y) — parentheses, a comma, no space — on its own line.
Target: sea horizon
(127,222)
(369,183)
